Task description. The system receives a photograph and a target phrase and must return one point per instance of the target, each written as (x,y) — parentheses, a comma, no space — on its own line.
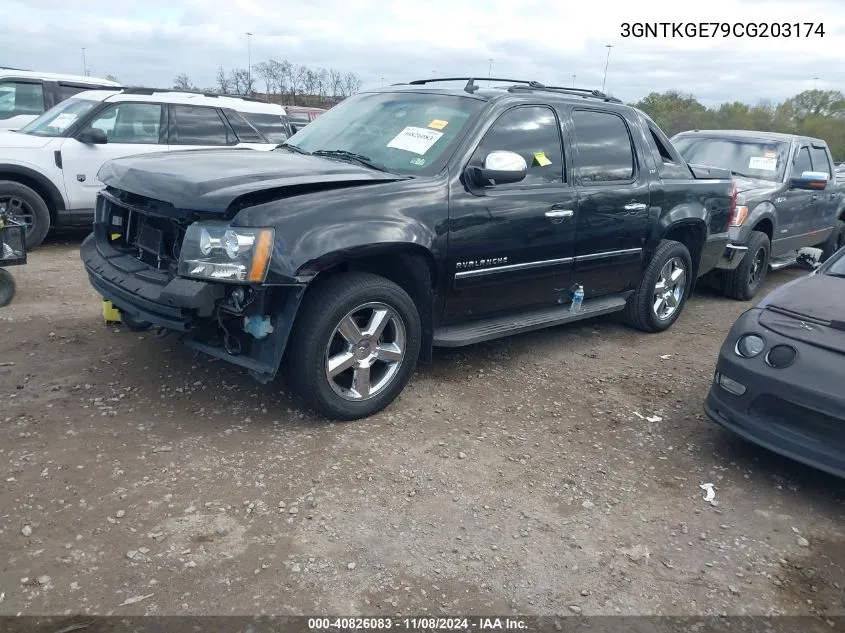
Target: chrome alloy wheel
(365,351)
(669,289)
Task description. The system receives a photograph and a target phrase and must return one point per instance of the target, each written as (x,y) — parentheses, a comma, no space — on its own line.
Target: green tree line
(815,113)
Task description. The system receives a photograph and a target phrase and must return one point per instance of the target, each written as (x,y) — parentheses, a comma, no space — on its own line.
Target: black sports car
(780,378)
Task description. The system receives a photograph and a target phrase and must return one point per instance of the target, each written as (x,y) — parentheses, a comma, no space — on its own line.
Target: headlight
(217,251)
(750,345)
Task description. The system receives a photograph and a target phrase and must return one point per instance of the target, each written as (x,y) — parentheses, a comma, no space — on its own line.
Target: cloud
(149,42)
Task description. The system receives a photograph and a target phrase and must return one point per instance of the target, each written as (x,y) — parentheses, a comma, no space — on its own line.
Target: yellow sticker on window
(438,124)
(541,159)
(771,154)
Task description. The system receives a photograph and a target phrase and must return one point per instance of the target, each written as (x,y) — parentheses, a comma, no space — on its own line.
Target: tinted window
(751,158)
(533,133)
(196,125)
(273,126)
(604,150)
(820,160)
(66,91)
(17,97)
(802,162)
(246,132)
(130,122)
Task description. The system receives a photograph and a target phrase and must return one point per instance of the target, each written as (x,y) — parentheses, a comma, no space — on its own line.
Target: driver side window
(533,132)
(801,162)
(130,123)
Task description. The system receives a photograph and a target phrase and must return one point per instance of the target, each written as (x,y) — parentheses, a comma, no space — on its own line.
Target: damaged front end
(198,276)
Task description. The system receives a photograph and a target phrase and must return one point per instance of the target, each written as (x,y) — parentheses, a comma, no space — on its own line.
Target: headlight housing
(219,252)
(750,345)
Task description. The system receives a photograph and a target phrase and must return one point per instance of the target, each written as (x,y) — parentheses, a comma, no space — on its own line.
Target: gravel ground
(554,472)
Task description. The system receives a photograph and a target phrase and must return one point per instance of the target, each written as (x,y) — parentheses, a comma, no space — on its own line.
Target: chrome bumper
(732,256)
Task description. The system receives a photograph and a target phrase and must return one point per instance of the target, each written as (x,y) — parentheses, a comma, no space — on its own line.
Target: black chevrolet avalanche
(407,218)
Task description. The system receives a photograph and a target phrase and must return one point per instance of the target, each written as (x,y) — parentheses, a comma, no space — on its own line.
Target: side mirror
(500,168)
(809,180)
(92,136)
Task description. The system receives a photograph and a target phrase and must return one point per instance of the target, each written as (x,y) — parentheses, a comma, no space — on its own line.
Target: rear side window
(196,125)
(20,97)
(273,126)
(603,149)
(246,132)
(820,160)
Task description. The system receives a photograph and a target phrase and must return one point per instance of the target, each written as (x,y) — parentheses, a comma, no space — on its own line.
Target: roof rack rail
(519,84)
(23,70)
(143,90)
(580,92)
(470,85)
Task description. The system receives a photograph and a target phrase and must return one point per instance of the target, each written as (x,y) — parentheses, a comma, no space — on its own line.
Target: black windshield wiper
(293,148)
(739,173)
(343,154)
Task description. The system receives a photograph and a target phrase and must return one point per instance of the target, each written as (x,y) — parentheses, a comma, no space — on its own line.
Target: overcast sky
(149,41)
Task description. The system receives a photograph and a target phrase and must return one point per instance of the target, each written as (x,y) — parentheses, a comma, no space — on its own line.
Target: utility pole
(84,64)
(815,83)
(573,81)
(382,82)
(606,64)
(248,62)
(489,70)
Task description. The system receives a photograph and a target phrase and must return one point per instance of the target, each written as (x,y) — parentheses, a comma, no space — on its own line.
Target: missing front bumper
(731,257)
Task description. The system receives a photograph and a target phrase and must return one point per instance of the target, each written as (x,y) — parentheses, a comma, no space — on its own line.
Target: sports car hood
(810,309)
(211,180)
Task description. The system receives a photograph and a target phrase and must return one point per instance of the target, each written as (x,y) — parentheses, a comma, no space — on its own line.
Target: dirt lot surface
(137,477)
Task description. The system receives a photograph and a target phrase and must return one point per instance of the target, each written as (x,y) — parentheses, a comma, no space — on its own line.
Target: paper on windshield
(415,139)
(62,121)
(763,162)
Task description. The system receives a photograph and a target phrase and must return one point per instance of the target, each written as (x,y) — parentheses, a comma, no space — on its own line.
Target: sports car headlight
(220,252)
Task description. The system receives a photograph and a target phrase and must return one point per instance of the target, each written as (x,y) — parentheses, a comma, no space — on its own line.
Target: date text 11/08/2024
(417,624)
(722,29)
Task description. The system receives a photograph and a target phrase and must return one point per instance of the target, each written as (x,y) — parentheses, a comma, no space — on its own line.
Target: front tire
(354,346)
(133,324)
(7,287)
(27,207)
(662,292)
(745,280)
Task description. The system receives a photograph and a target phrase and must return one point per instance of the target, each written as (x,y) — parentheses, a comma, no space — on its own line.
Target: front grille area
(794,418)
(139,226)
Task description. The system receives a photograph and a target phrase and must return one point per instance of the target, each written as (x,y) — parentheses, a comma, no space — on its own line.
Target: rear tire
(26,206)
(7,287)
(745,281)
(835,241)
(663,290)
(335,334)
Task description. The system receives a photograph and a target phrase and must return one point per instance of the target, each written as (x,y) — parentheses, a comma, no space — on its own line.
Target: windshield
(406,133)
(59,118)
(755,159)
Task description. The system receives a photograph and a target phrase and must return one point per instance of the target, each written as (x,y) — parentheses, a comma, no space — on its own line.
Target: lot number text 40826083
(722,29)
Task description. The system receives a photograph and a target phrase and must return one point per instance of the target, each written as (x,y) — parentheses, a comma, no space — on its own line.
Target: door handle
(636,206)
(559,214)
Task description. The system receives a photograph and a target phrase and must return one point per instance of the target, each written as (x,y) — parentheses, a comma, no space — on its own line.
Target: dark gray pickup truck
(788,199)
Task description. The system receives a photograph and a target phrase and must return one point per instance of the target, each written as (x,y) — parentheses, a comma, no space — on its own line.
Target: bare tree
(240,81)
(183,82)
(335,82)
(281,71)
(222,81)
(296,80)
(322,84)
(113,78)
(351,84)
(267,72)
